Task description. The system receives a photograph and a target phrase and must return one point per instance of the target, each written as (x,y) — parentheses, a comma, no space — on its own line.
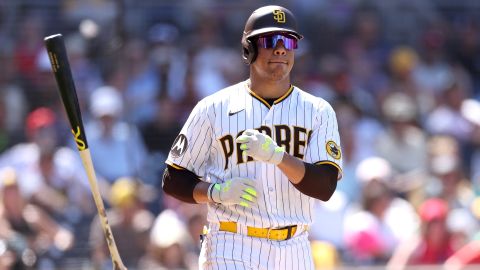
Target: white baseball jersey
(303,124)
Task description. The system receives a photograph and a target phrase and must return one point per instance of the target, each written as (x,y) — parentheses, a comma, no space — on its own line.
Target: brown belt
(278,234)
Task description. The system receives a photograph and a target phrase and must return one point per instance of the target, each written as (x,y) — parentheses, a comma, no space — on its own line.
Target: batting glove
(234,191)
(260,146)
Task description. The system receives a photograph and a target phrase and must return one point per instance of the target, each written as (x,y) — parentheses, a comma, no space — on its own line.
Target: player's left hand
(260,146)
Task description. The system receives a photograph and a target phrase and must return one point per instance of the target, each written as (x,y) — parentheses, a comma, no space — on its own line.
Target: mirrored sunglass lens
(289,43)
(269,42)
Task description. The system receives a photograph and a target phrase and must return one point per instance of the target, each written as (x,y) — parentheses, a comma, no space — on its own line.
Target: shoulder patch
(333,150)
(180,146)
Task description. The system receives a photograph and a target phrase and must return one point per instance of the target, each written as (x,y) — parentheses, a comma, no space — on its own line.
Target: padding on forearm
(319,181)
(179,184)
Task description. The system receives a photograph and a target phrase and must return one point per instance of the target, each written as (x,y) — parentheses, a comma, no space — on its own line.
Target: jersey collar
(278,100)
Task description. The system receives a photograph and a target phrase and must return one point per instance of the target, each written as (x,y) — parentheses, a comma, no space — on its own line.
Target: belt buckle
(289,232)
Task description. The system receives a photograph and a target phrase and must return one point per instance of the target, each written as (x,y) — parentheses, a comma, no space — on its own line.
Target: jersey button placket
(268,118)
(268,121)
(269,191)
(268,169)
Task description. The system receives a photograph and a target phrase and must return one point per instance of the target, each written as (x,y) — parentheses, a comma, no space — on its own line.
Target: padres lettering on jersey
(304,125)
(283,135)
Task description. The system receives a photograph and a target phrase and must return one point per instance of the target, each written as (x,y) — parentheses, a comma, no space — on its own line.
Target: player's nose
(280,48)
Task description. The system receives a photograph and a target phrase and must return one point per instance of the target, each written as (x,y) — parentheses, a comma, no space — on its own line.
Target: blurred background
(402,75)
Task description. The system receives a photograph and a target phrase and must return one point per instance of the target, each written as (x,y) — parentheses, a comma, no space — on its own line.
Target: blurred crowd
(402,76)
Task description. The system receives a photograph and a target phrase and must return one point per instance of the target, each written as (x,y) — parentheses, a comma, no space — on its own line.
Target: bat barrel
(61,69)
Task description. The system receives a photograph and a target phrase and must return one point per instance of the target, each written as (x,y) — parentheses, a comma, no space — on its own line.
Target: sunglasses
(270,41)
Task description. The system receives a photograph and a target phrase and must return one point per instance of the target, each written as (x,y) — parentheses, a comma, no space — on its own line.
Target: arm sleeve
(191,148)
(324,141)
(179,183)
(319,181)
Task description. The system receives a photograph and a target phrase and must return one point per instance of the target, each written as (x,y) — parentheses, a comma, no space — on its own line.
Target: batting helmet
(264,20)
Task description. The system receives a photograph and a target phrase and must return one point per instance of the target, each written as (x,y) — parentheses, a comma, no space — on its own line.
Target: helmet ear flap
(249,51)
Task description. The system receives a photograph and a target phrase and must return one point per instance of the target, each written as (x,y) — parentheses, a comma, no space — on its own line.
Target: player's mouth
(278,62)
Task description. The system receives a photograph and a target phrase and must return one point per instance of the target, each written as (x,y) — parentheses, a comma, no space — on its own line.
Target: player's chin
(278,76)
(280,72)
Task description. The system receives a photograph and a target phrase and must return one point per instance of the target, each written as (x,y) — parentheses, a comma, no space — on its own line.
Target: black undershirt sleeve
(319,181)
(179,184)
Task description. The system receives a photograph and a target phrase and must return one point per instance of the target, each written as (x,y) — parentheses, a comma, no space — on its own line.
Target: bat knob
(52,37)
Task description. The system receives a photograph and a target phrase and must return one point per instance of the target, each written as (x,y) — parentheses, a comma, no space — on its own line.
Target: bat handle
(112,247)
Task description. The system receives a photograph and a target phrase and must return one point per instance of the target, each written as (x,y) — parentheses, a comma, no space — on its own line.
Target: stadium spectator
(402,136)
(32,232)
(49,174)
(167,242)
(373,229)
(433,244)
(117,147)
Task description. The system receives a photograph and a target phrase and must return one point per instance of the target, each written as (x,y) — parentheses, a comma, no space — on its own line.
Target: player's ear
(249,51)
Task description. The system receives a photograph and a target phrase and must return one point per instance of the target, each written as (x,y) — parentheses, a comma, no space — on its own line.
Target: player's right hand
(237,190)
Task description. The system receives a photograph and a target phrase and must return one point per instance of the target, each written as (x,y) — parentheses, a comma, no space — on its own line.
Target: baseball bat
(61,69)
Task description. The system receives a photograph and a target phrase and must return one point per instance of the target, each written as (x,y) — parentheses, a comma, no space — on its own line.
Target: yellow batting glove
(237,190)
(260,146)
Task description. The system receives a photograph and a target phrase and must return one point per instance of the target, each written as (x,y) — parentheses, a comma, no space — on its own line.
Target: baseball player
(258,153)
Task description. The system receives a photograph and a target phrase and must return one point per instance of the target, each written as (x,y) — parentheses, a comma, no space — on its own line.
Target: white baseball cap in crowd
(373,168)
(106,101)
(168,230)
(470,110)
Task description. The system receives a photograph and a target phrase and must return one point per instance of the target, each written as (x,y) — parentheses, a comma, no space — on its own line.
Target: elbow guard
(319,181)
(179,184)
